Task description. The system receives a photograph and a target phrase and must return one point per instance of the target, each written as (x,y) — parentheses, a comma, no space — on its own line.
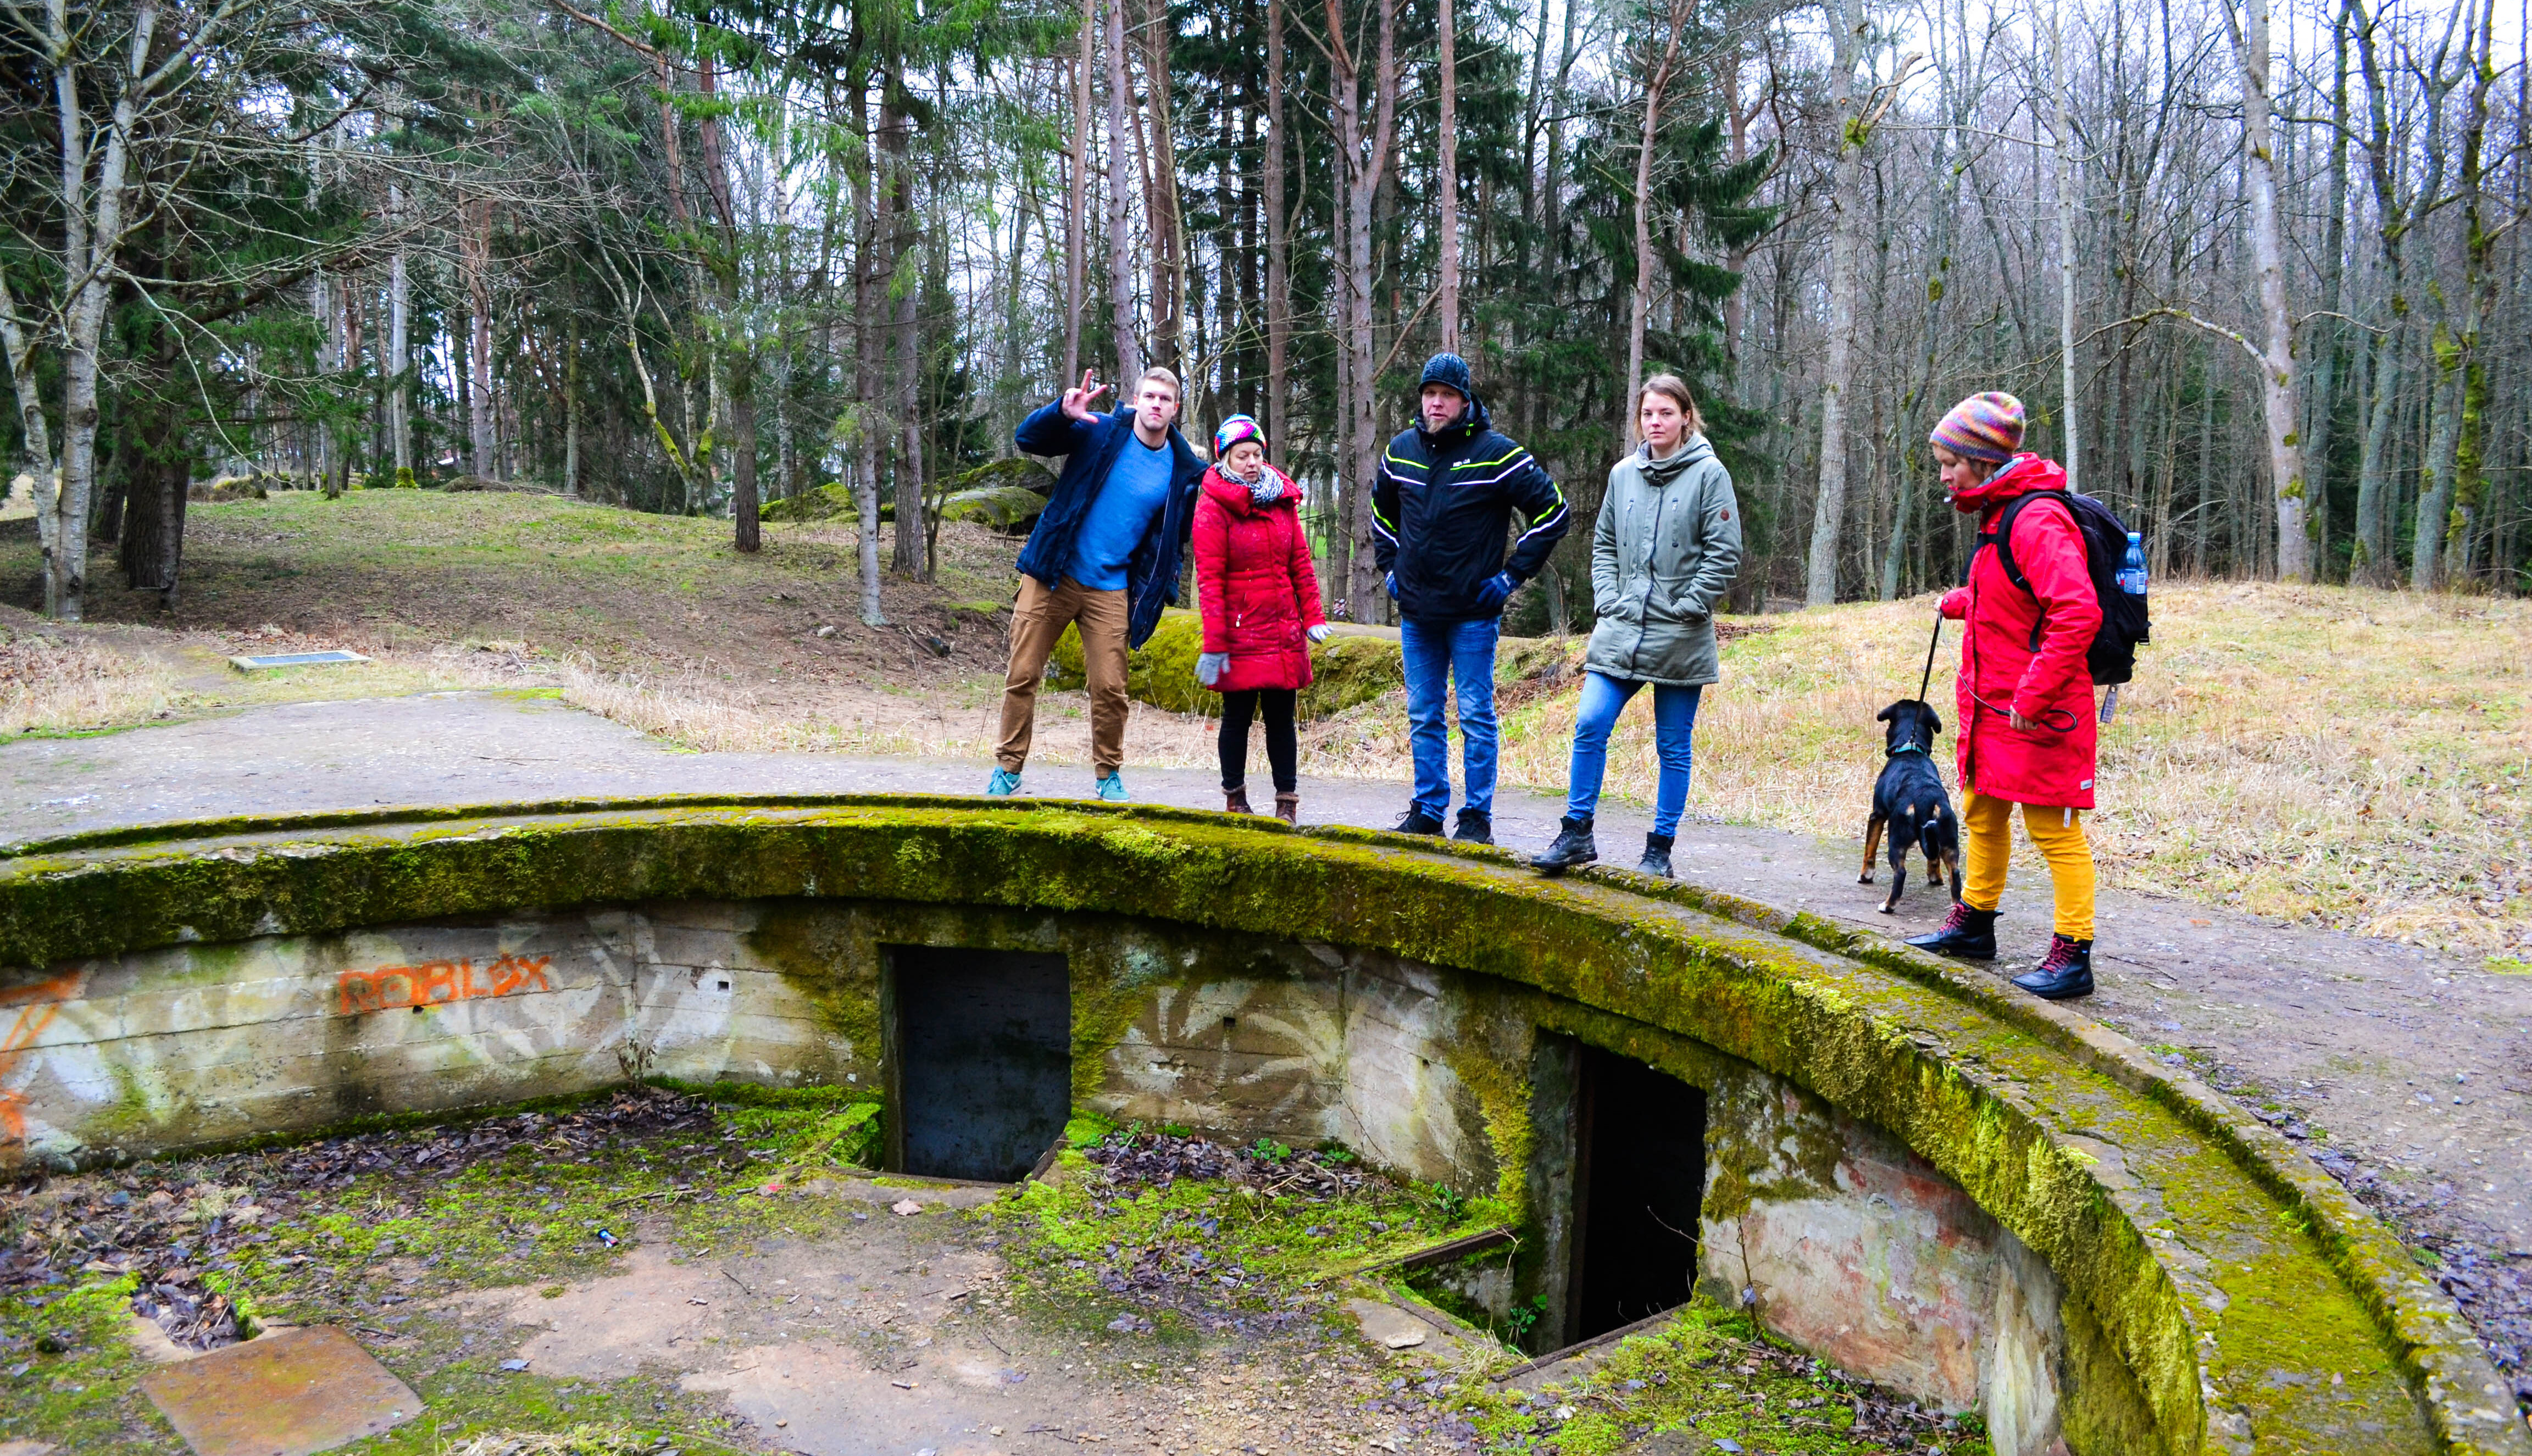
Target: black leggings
(1283,745)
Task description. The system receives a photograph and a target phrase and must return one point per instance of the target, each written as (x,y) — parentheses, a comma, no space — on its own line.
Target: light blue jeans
(1674,724)
(1437,653)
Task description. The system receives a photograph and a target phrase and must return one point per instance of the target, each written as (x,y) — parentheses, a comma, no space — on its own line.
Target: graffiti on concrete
(37,1004)
(438,983)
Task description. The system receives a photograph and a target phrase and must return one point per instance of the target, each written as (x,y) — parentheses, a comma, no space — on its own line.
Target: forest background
(2258,276)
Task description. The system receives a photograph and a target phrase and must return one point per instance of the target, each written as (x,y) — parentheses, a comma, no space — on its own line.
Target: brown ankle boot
(1236,800)
(1288,807)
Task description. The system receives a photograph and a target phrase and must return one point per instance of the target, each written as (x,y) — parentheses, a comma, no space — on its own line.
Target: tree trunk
(1120,235)
(1076,257)
(1278,266)
(2070,436)
(2277,384)
(400,352)
(478,244)
(1160,211)
(1363,159)
(1446,227)
(1846,220)
(863,435)
(896,138)
(1641,300)
(2283,414)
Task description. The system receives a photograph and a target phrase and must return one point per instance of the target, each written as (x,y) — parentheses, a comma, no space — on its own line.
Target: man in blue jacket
(1104,554)
(1439,514)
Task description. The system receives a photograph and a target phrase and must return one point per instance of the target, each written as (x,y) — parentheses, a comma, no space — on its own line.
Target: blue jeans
(1438,653)
(1674,720)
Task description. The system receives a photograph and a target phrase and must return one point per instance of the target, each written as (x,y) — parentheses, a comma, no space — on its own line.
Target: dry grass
(2350,758)
(51,684)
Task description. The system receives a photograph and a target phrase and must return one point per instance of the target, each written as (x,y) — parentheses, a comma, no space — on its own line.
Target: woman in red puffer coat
(2024,696)
(1259,599)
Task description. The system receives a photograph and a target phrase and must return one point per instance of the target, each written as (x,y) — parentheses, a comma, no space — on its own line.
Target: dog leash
(2047,717)
(1927,680)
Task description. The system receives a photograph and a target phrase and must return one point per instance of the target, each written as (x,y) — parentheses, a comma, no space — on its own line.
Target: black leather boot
(1417,822)
(2065,975)
(1657,860)
(1475,828)
(1966,933)
(1572,847)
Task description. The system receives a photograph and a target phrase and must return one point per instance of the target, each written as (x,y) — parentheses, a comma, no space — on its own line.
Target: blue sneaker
(1002,784)
(1112,789)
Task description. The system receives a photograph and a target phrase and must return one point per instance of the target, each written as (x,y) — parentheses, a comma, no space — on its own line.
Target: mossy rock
(831,502)
(1010,508)
(1354,666)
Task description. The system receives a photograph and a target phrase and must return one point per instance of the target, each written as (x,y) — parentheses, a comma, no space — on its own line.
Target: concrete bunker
(1959,1199)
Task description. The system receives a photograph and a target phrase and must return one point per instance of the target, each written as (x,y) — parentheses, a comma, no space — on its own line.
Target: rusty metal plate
(287,1394)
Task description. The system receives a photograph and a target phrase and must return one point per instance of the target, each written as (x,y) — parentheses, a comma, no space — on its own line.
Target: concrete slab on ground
(290,1394)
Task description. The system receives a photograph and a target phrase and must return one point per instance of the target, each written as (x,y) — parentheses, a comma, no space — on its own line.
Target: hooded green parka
(1665,551)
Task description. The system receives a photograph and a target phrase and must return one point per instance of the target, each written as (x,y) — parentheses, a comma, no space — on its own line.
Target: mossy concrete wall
(2248,1303)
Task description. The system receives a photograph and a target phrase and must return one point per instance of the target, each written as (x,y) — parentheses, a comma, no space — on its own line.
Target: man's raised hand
(1077,402)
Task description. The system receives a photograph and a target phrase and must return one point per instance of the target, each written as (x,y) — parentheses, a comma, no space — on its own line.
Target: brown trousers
(1038,621)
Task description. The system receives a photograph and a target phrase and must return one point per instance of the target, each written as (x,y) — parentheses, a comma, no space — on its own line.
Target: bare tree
(2280,406)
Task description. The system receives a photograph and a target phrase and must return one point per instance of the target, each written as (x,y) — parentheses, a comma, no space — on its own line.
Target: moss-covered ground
(1710,1375)
(1160,1286)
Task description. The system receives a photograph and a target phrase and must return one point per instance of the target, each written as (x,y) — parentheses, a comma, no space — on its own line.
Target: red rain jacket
(2049,763)
(1253,583)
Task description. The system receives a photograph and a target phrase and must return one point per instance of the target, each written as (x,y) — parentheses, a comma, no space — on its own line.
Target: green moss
(84,1396)
(1702,1375)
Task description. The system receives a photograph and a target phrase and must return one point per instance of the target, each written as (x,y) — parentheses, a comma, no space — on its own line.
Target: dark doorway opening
(1638,1185)
(980,1060)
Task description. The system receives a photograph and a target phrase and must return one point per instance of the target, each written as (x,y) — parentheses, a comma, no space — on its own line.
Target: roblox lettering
(439,983)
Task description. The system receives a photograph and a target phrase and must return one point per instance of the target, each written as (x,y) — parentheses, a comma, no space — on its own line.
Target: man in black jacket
(1439,514)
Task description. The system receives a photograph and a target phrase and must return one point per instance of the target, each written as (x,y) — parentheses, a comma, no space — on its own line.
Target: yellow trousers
(1987,826)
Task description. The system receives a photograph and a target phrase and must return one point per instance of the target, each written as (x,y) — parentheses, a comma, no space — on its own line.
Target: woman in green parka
(1665,551)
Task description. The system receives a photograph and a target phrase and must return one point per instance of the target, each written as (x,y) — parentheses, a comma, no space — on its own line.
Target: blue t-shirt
(1120,515)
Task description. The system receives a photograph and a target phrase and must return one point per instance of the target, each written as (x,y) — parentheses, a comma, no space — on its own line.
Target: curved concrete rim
(2210,1250)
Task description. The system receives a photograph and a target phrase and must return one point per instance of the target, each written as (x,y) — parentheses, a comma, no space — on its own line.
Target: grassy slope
(2362,759)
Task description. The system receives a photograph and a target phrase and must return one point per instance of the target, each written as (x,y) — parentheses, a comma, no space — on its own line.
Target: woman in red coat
(2025,696)
(1260,603)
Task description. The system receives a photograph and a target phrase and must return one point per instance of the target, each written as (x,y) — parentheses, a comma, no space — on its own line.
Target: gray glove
(1210,666)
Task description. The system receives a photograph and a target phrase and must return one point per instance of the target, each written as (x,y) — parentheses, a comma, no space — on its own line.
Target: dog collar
(1906,748)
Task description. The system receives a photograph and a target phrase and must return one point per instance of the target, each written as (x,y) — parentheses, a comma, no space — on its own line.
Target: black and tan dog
(1910,801)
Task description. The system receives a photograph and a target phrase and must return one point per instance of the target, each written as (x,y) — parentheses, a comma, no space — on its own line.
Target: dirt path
(2407,1074)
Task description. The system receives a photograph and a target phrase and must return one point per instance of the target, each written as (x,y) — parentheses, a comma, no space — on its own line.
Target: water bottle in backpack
(2132,581)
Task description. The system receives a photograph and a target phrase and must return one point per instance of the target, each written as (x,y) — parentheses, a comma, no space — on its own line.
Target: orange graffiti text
(438,983)
(37,1003)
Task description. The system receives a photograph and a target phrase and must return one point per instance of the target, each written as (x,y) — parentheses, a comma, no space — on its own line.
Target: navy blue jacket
(1089,447)
(1442,508)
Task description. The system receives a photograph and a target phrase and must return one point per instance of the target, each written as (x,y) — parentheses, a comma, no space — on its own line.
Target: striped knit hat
(1235,429)
(1983,426)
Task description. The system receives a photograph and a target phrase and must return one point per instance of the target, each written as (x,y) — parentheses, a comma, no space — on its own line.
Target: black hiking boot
(2066,974)
(1966,933)
(1657,860)
(1417,822)
(1572,847)
(1475,828)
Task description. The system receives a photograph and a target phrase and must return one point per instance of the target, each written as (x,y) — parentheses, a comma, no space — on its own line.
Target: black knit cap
(1449,370)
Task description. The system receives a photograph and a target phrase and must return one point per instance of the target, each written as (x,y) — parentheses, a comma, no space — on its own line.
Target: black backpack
(2125,625)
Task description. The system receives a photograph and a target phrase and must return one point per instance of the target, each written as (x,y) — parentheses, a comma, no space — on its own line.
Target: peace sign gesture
(1077,402)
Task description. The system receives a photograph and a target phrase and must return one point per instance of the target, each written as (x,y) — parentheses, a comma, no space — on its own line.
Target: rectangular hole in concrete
(980,1056)
(1638,1186)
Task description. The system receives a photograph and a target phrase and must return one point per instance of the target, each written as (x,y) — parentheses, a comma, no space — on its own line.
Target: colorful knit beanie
(1235,429)
(1983,426)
